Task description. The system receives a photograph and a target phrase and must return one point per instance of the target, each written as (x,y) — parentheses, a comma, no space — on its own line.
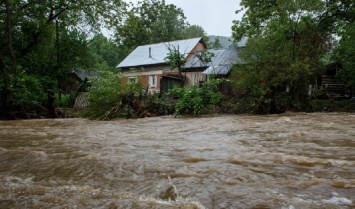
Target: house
(198,71)
(331,84)
(147,64)
(78,82)
(78,78)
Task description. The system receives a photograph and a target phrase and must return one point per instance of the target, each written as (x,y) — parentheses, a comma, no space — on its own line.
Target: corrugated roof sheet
(221,62)
(243,42)
(140,56)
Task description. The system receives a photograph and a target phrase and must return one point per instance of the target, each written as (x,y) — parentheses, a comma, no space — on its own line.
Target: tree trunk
(51,105)
(5,75)
(10,37)
(6,96)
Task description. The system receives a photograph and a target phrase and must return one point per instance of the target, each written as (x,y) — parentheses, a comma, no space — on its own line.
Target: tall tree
(29,26)
(284,51)
(194,31)
(151,21)
(106,52)
(339,18)
(344,53)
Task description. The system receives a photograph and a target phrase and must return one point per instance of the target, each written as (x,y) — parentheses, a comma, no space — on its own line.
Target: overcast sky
(215,16)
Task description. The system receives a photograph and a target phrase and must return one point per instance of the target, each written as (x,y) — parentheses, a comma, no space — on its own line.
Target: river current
(288,161)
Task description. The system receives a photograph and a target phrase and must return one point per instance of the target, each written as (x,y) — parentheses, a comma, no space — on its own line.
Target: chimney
(150,52)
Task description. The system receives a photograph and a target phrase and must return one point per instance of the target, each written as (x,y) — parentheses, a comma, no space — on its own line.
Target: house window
(153,81)
(132,80)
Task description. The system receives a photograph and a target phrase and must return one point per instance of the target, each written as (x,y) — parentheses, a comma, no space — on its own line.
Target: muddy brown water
(287,161)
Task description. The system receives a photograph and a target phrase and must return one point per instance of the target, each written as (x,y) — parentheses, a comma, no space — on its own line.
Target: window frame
(132,79)
(153,79)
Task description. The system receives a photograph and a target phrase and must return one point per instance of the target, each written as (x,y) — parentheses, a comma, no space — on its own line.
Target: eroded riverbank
(273,161)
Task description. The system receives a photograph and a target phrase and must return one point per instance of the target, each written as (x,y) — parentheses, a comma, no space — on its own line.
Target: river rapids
(288,161)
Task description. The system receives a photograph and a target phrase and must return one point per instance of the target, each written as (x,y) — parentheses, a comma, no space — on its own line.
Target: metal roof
(221,63)
(155,53)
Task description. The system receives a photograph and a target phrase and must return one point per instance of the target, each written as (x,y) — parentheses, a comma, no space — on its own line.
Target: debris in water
(169,194)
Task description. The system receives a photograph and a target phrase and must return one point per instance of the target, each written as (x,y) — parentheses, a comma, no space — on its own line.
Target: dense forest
(289,44)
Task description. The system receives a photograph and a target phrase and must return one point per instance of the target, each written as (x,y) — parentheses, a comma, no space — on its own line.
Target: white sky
(214,16)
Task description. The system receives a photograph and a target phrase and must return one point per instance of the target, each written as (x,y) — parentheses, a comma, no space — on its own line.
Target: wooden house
(77,82)
(77,79)
(332,85)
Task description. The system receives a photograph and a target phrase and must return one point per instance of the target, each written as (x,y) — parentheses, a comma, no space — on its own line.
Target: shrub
(103,95)
(109,99)
(196,100)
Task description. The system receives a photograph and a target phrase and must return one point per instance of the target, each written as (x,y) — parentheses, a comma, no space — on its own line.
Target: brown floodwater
(288,161)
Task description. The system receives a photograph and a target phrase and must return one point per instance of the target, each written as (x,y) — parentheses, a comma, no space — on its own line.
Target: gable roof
(153,54)
(221,63)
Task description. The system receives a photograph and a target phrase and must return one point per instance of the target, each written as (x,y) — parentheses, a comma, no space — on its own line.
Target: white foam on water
(303,202)
(179,202)
(14,181)
(338,201)
(286,119)
(39,154)
(288,207)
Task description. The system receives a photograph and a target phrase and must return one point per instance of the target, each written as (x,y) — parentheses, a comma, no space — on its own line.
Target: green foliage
(66,100)
(151,21)
(266,76)
(103,95)
(285,49)
(216,44)
(28,91)
(205,56)
(41,41)
(73,51)
(197,100)
(109,100)
(105,52)
(174,58)
(195,31)
(345,53)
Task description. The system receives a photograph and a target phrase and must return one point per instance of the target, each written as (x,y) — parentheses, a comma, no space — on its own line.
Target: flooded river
(287,161)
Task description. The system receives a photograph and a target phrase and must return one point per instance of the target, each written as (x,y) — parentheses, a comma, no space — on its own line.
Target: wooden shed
(331,83)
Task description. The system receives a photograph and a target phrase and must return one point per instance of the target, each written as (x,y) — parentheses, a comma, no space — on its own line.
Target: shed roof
(153,54)
(84,74)
(221,63)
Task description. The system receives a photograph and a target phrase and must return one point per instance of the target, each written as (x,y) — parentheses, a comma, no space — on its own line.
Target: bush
(103,95)
(197,100)
(66,100)
(109,99)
